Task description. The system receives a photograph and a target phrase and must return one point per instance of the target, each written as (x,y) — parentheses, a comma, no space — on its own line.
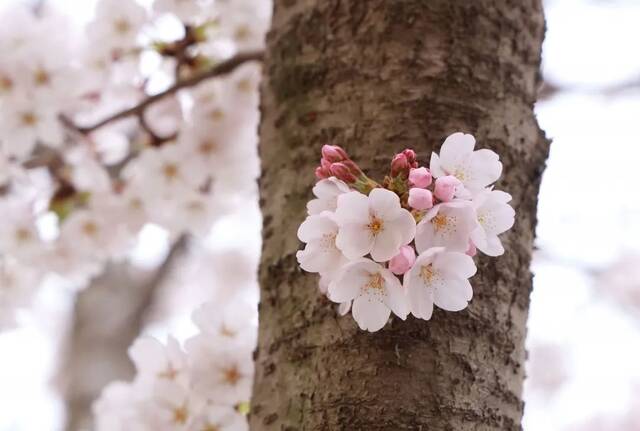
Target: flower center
(41,77)
(207,148)
(328,241)
(242,33)
(180,415)
(227,332)
(376,281)
(440,222)
(29,119)
(231,375)
(427,273)
(6,84)
(122,26)
(217,114)
(170,171)
(23,235)
(375,225)
(460,174)
(90,228)
(170,373)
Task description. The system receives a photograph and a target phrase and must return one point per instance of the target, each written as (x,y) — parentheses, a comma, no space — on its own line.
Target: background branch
(220,69)
(108,316)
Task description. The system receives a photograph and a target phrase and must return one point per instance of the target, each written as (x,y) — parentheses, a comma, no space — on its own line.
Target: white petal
(349,282)
(353,207)
(455,148)
(493,247)
(396,299)
(316,206)
(344,308)
(435,168)
(455,265)
(454,295)
(354,240)
(424,236)
(315,226)
(384,203)
(406,225)
(386,244)
(479,238)
(420,298)
(326,189)
(370,314)
(485,167)
(315,258)
(503,218)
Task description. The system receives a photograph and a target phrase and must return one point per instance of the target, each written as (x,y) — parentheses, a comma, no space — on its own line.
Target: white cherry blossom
(375,224)
(375,292)
(321,253)
(326,192)
(220,373)
(154,360)
(236,324)
(446,225)
(495,216)
(219,418)
(439,277)
(475,169)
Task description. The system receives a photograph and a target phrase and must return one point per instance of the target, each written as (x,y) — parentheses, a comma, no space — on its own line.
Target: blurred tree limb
(108,316)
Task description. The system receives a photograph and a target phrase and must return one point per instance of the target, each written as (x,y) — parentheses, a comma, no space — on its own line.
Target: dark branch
(218,70)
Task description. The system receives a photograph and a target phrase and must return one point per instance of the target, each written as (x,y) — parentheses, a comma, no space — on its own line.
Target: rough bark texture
(376,77)
(108,316)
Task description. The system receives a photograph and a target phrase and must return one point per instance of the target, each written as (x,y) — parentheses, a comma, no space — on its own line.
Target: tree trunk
(376,77)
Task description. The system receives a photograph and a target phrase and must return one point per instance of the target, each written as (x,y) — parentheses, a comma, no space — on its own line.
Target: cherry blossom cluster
(203,385)
(406,244)
(75,193)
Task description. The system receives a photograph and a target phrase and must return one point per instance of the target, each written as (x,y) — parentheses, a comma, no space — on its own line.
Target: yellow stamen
(231,375)
(180,415)
(375,225)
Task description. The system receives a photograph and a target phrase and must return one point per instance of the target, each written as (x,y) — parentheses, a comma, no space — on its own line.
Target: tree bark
(376,77)
(108,316)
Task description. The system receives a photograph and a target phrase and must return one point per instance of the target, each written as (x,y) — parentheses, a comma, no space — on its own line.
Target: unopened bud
(322,173)
(353,167)
(342,172)
(445,188)
(399,165)
(403,261)
(411,157)
(420,177)
(334,153)
(420,199)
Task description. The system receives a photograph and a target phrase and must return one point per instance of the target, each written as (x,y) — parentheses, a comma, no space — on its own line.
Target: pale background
(584,330)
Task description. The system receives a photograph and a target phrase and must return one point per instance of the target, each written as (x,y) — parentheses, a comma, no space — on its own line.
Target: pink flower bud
(420,199)
(333,153)
(420,177)
(403,261)
(353,167)
(471,251)
(399,165)
(445,188)
(342,172)
(411,157)
(322,173)
(325,164)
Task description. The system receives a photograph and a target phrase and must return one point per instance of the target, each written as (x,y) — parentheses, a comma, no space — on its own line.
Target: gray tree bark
(376,77)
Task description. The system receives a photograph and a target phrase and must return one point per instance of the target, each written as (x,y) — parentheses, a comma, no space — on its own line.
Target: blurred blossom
(546,369)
